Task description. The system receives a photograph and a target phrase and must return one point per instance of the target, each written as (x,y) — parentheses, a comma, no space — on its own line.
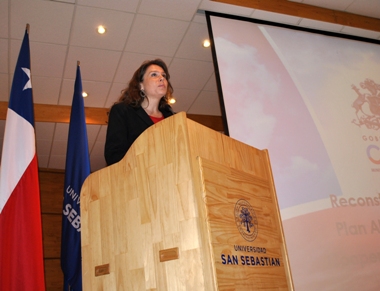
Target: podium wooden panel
(187,208)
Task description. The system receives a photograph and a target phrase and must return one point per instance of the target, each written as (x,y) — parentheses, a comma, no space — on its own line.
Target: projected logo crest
(367,104)
(246,221)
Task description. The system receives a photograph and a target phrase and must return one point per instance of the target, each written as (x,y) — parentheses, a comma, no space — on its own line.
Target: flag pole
(27,28)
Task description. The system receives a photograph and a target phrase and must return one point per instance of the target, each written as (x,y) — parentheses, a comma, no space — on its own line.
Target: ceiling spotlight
(206,43)
(101,29)
(172,100)
(84,94)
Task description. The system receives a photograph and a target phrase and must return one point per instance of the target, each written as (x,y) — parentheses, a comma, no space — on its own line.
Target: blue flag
(77,170)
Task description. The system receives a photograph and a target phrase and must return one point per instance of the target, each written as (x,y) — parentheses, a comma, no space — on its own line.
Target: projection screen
(313,100)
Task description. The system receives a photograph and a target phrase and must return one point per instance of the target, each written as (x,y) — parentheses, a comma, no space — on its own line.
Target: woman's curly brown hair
(131,94)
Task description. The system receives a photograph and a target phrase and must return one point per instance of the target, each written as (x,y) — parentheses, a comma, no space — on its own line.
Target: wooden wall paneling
(51,189)
(53,275)
(51,228)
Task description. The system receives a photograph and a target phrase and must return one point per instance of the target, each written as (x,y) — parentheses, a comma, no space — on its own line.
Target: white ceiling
(63,32)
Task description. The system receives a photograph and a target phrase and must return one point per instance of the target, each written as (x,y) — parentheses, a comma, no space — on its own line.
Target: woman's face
(154,82)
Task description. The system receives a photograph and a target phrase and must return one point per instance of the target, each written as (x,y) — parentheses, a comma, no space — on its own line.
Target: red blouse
(156,119)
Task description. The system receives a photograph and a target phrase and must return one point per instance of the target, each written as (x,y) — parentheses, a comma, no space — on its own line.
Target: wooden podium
(187,208)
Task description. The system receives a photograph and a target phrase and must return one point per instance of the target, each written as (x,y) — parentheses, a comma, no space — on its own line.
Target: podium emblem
(245,219)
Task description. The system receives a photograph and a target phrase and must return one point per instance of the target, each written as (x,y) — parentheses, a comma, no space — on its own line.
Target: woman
(143,103)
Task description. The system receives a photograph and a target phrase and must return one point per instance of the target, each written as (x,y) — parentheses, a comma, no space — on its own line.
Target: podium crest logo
(367,104)
(245,219)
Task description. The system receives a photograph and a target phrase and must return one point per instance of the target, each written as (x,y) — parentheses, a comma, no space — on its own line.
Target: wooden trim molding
(98,116)
(310,12)
(61,113)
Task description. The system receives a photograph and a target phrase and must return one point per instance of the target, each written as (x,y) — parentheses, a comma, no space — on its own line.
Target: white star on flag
(29,83)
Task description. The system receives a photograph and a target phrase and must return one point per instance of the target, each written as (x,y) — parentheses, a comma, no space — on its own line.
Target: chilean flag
(21,251)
